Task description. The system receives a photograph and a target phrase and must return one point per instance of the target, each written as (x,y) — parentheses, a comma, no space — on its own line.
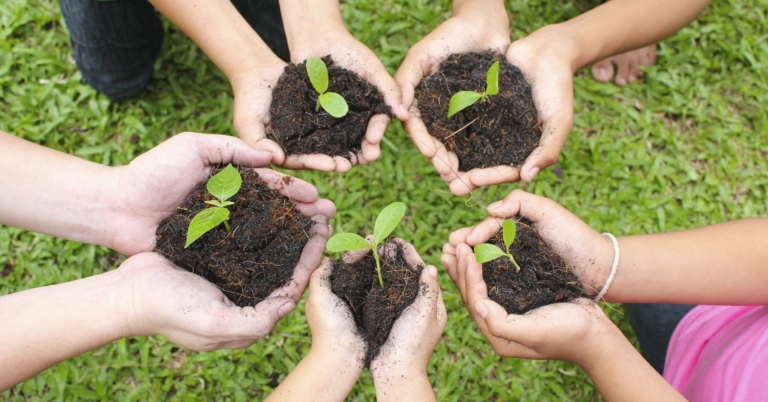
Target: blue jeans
(654,325)
(116,43)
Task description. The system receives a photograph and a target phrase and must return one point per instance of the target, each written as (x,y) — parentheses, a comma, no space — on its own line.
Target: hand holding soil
(585,252)
(278,233)
(252,87)
(577,331)
(150,188)
(162,299)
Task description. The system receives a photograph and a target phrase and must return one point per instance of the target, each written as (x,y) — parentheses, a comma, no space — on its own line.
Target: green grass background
(685,147)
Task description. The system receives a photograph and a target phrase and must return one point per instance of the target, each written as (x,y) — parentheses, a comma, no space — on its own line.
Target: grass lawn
(687,146)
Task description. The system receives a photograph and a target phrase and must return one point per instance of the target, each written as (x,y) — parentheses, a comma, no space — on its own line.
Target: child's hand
(587,253)
(151,187)
(334,332)
(472,28)
(162,299)
(573,331)
(400,369)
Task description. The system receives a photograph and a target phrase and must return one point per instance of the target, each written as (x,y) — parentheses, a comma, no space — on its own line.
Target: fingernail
(481,309)
(533,172)
(285,309)
(433,271)
(602,71)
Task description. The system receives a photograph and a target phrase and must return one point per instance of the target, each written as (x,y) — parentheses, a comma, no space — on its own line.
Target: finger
(459,236)
(343,165)
(218,149)
(449,249)
(425,304)
(376,74)
(320,282)
(321,206)
(484,177)
(602,71)
(442,313)
(370,148)
(389,250)
(253,322)
(622,72)
(321,226)
(509,206)
(463,253)
(288,186)
(352,257)
(323,163)
(484,231)
(453,162)
(410,255)
(429,146)
(527,205)
(450,264)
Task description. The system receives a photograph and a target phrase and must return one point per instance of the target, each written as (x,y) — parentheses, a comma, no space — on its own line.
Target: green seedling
(386,222)
(332,102)
(464,99)
(222,185)
(485,252)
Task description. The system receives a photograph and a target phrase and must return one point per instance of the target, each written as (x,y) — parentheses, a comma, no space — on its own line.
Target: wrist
(483,11)
(305,21)
(605,342)
(551,42)
(339,361)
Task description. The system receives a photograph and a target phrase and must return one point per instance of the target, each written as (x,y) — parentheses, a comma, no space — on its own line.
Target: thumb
(254,134)
(258,322)
(429,292)
(215,149)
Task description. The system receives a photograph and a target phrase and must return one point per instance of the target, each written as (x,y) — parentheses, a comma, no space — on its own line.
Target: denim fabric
(654,325)
(116,43)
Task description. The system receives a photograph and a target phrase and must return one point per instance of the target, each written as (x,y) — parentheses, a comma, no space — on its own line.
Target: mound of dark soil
(301,129)
(503,130)
(256,257)
(375,308)
(543,278)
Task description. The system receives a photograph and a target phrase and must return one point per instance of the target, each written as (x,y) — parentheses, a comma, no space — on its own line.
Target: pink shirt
(720,353)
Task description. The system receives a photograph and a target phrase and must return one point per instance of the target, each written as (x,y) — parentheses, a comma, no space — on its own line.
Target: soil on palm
(300,128)
(502,130)
(543,278)
(255,257)
(375,308)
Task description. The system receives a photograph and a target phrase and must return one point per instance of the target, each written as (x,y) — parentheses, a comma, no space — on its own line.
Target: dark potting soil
(256,257)
(301,129)
(543,278)
(375,308)
(503,130)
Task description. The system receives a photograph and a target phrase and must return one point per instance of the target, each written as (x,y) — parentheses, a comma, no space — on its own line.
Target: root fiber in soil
(300,128)
(503,130)
(256,257)
(543,278)
(375,308)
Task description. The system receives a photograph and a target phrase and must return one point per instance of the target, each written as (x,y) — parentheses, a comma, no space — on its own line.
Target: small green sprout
(222,185)
(464,99)
(332,102)
(386,222)
(485,252)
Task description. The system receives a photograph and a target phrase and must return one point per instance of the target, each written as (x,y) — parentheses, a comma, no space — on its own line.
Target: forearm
(324,377)
(621,374)
(221,32)
(51,192)
(44,326)
(404,385)
(491,11)
(617,26)
(302,19)
(725,263)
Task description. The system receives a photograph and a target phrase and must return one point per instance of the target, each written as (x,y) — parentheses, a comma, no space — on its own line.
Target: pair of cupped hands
(471,29)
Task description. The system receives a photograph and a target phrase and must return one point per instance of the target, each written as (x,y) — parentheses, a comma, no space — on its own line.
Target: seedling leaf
(492,79)
(387,221)
(226,183)
(485,252)
(334,104)
(346,242)
(462,100)
(318,74)
(509,230)
(204,221)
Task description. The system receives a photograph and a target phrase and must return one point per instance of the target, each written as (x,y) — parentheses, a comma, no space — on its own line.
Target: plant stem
(513,261)
(378,267)
(226,225)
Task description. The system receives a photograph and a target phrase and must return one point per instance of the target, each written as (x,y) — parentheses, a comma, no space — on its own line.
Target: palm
(253,97)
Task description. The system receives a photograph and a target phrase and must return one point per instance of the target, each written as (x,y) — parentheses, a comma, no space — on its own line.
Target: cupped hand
(151,187)
(334,332)
(474,28)
(416,332)
(586,252)
(252,87)
(351,54)
(190,311)
(572,331)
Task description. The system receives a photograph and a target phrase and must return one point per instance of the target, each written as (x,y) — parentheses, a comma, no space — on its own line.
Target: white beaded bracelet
(613,267)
